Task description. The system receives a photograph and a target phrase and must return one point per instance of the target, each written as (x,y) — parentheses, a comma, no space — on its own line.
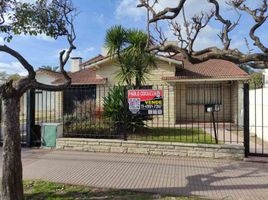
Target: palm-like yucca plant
(130,48)
(127,71)
(144,62)
(115,40)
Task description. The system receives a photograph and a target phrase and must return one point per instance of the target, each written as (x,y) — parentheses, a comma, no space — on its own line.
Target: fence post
(30,123)
(246,119)
(125,113)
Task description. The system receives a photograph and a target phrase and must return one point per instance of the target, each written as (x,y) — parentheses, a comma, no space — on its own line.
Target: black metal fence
(198,113)
(96,112)
(185,118)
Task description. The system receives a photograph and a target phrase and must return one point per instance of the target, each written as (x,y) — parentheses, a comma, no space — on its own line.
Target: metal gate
(256,119)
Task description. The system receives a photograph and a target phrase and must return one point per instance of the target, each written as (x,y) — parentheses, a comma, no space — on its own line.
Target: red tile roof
(212,69)
(85,76)
(93,60)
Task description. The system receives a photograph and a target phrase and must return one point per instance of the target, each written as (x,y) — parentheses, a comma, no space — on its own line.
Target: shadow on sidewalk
(225,178)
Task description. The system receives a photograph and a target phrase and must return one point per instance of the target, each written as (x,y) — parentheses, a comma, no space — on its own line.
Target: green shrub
(256,80)
(115,110)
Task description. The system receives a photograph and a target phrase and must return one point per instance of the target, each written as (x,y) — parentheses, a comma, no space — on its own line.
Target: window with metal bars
(204,94)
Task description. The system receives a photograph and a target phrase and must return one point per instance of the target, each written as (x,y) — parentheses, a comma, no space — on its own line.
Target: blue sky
(95,17)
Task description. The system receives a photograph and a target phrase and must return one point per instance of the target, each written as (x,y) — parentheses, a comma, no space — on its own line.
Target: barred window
(204,94)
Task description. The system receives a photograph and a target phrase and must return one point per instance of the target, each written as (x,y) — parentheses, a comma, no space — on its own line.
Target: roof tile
(93,60)
(214,68)
(85,76)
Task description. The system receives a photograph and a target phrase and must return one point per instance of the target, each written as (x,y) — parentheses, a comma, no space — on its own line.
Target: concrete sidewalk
(214,179)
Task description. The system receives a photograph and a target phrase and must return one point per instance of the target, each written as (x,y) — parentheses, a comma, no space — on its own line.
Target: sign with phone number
(145,102)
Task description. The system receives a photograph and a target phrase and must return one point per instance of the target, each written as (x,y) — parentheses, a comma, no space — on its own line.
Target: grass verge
(42,190)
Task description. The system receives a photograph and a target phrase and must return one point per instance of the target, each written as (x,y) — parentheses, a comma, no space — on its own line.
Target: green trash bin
(50,133)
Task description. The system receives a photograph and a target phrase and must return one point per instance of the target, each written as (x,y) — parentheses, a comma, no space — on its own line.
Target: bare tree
(186,44)
(52,18)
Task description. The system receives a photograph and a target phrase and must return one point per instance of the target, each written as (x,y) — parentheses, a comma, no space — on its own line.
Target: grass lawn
(173,135)
(41,190)
(166,134)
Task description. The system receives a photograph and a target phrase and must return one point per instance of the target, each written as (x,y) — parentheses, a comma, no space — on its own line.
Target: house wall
(237,107)
(154,79)
(234,107)
(163,69)
(186,113)
(175,108)
(258,113)
(109,71)
(44,78)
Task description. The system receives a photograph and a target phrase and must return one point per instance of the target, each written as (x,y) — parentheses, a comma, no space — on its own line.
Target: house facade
(187,88)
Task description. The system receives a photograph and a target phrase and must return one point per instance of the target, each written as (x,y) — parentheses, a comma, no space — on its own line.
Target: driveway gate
(256,119)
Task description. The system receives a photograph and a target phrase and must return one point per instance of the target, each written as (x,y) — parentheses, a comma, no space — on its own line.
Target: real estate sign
(146,102)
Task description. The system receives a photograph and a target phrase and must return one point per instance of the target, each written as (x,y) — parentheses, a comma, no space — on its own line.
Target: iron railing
(81,110)
(184,117)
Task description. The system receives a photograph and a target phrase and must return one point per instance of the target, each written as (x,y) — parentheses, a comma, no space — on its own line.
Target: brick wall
(152,148)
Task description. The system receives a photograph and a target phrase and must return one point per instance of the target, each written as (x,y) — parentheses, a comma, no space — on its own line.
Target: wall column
(240,109)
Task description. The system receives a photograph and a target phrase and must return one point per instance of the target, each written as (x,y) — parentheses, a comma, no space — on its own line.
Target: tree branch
(21,59)
(167,13)
(234,56)
(185,45)
(228,26)
(64,56)
(259,15)
(192,29)
(24,84)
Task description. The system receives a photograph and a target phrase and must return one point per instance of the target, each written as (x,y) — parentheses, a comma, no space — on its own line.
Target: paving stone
(163,175)
(138,150)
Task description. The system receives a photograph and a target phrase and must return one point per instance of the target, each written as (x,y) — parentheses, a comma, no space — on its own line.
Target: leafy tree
(129,47)
(14,77)
(52,18)
(256,80)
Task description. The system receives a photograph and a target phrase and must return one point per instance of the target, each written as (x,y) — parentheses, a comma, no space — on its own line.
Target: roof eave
(207,79)
(169,60)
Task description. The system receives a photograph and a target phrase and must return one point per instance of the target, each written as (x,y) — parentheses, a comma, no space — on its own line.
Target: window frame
(204,94)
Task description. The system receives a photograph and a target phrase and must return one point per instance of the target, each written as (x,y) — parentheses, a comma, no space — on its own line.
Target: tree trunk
(12,186)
